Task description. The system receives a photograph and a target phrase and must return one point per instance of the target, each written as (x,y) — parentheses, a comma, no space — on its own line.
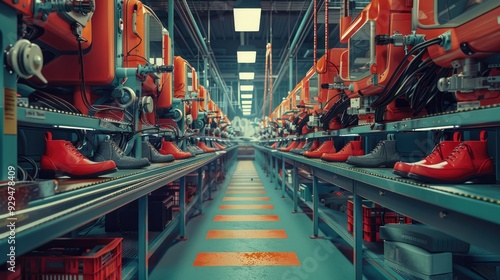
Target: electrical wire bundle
(339,107)
(417,82)
(86,102)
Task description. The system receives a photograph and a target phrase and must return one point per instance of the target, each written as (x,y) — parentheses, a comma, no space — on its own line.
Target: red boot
(293,145)
(353,148)
(221,147)
(314,145)
(301,144)
(169,148)
(62,158)
(205,148)
(438,154)
(326,147)
(273,146)
(469,161)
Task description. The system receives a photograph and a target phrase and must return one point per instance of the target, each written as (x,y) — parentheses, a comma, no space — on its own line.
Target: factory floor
(249,232)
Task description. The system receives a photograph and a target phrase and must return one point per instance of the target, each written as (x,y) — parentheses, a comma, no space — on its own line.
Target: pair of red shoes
(452,162)
(325,147)
(352,148)
(169,148)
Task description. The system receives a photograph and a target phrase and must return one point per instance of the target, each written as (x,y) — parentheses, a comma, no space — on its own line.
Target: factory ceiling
(281,23)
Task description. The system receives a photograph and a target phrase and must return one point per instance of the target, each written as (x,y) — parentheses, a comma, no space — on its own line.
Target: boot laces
(378,147)
(346,146)
(74,150)
(117,149)
(437,151)
(455,155)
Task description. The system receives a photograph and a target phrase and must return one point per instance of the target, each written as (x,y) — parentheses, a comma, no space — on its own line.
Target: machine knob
(26,60)
(147,104)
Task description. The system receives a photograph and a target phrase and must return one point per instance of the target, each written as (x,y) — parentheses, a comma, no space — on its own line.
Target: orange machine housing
(480,33)
(329,97)
(388,17)
(184,78)
(474,30)
(56,70)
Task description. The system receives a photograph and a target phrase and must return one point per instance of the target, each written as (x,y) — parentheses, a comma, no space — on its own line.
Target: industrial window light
(246,95)
(247,15)
(246,102)
(246,87)
(247,75)
(246,106)
(246,113)
(246,54)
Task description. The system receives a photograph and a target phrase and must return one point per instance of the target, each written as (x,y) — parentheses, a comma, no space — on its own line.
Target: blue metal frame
(450,208)
(142,233)
(8,96)
(182,206)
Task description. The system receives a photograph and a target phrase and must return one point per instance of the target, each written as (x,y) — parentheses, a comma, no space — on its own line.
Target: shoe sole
(400,173)
(51,174)
(485,179)
(381,165)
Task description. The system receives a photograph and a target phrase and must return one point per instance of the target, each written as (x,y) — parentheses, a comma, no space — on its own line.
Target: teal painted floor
(317,258)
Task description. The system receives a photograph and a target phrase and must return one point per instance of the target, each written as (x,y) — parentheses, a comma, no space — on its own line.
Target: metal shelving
(43,117)
(480,117)
(461,210)
(54,216)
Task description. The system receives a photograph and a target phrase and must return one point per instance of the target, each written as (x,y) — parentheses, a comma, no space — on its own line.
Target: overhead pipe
(315,52)
(171,28)
(295,40)
(198,38)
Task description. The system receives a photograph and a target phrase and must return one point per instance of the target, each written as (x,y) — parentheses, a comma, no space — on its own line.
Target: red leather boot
(469,161)
(314,145)
(301,144)
(169,148)
(205,148)
(221,147)
(273,146)
(293,145)
(62,158)
(353,148)
(438,154)
(326,147)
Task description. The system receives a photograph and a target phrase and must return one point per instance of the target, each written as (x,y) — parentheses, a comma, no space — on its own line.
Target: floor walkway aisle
(248,232)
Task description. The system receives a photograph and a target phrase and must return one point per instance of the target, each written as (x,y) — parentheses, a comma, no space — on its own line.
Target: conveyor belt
(88,199)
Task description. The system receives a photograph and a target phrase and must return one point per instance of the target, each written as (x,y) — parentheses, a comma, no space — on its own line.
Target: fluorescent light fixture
(246,87)
(436,127)
(246,106)
(246,102)
(247,75)
(246,113)
(350,134)
(247,15)
(246,95)
(246,54)
(72,127)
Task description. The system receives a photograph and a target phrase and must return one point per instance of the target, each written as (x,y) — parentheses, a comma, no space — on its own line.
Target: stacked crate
(374,216)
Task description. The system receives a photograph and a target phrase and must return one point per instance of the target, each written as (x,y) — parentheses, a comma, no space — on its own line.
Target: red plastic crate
(82,259)
(368,236)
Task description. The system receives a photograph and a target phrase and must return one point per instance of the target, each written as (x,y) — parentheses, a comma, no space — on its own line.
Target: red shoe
(469,161)
(293,145)
(205,148)
(169,148)
(326,147)
(273,146)
(221,147)
(301,144)
(438,154)
(353,148)
(315,145)
(62,158)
